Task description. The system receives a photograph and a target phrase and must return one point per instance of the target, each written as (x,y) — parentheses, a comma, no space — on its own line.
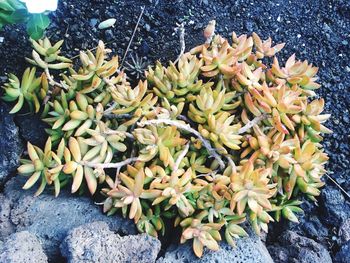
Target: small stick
(132,36)
(181,156)
(188,128)
(181,29)
(251,123)
(51,80)
(338,185)
(111,165)
(52,83)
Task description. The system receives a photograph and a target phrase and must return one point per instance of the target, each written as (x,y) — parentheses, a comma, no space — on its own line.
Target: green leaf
(36,25)
(11,5)
(17,16)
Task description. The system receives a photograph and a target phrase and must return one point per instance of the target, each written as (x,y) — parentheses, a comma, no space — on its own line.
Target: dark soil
(317,30)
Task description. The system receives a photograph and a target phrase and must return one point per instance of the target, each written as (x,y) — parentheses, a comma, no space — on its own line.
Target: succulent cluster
(221,137)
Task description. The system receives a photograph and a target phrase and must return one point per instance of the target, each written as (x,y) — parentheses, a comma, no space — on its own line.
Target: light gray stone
(247,250)
(344,231)
(94,242)
(51,218)
(22,247)
(6,227)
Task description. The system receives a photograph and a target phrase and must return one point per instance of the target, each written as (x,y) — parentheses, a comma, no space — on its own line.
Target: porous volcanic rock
(22,247)
(294,248)
(247,250)
(94,242)
(50,218)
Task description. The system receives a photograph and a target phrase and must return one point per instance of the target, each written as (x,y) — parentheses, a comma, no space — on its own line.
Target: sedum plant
(227,134)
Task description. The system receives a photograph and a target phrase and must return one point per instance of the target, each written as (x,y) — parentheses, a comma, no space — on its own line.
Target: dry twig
(52,84)
(181,29)
(251,123)
(338,185)
(132,36)
(188,128)
(111,165)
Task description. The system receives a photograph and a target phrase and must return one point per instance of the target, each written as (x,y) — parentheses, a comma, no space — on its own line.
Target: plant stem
(251,123)
(111,165)
(52,83)
(181,30)
(188,128)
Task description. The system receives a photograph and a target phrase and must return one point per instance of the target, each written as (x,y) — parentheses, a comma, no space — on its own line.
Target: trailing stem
(187,128)
(251,123)
(111,165)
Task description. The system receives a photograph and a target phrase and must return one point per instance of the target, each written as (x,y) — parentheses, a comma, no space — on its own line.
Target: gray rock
(337,209)
(94,242)
(344,231)
(10,144)
(93,22)
(343,256)
(6,227)
(298,249)
(22,247)
(310,225)
(51,218)
(247,250)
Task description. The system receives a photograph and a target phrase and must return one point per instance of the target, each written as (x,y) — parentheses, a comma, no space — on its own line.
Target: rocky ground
(75,230)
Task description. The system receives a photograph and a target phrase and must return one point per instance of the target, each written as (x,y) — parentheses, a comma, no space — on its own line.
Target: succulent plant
(136,67)
(218,138)
(50,53)
(95,67)
(159,140)
(30,89)
(203,234)
(177,83)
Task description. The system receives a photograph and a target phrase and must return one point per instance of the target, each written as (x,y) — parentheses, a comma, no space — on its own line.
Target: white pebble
(107,23)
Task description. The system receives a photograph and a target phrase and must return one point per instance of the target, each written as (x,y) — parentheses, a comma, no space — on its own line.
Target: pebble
(93,22)
(144,48)
(147,27)
(249,26)
(109,35)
